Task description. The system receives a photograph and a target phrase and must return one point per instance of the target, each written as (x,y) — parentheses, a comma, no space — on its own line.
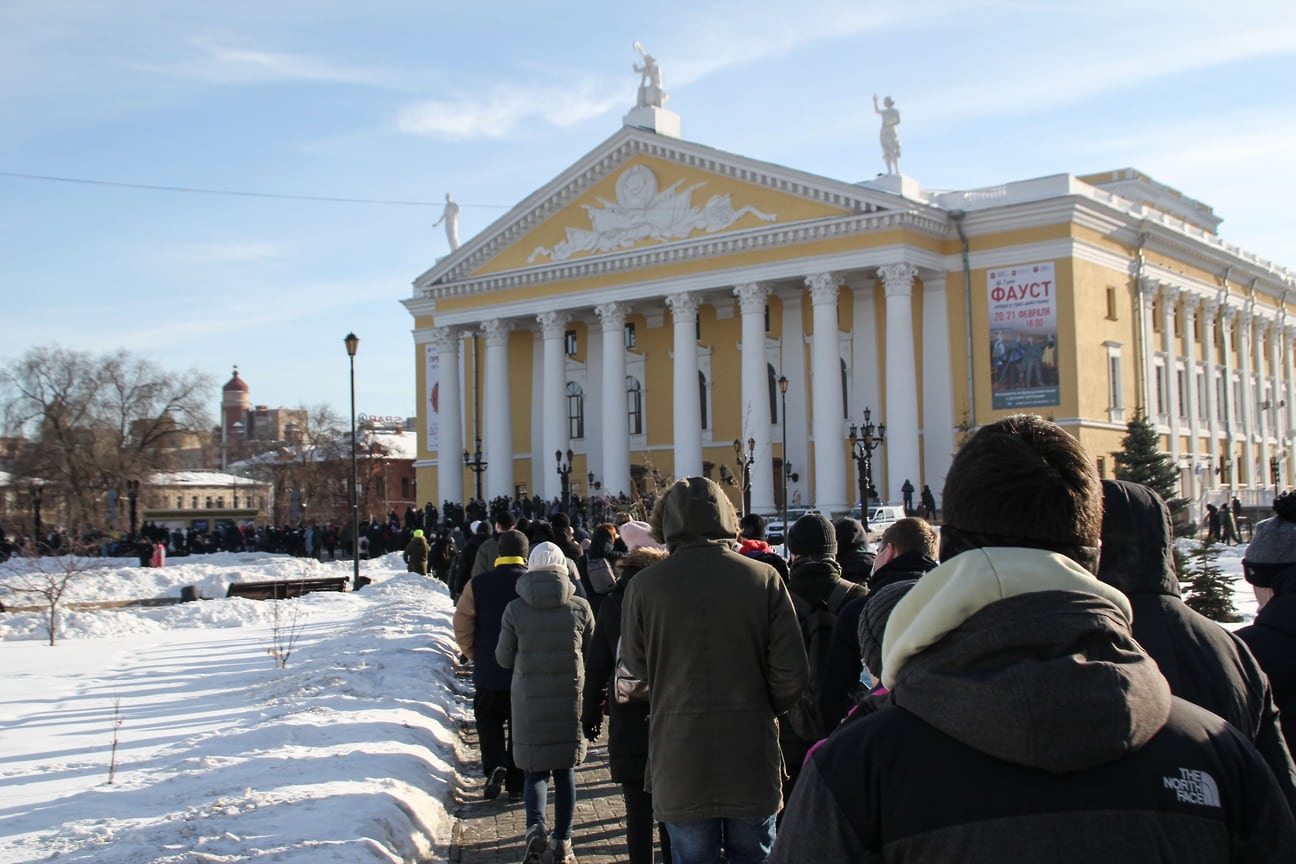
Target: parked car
(882,517)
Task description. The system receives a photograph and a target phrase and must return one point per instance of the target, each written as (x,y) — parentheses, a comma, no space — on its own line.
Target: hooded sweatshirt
(543,637)
(1030,726)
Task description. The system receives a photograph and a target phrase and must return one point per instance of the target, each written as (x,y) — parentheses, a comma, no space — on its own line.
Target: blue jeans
(745,841)
(535,795)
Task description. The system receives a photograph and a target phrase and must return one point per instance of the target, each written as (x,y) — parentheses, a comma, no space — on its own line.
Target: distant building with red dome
(246,430)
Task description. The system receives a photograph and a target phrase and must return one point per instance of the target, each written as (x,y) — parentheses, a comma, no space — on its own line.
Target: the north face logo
(1194,787)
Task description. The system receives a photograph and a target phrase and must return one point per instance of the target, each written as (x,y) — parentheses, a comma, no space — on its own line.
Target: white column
(1196,466)
(937,387)
(616,424)
(1231,421)
(449,463)
(1147,297)
(499,412)
(901,413)
(553,325)
(756,422)
(688,410)
(1289,340)
(865,392)
(796,416)
(1210,353)
(1246,423)
(1169,297)
(830,472)
(1263,413)
(539,459)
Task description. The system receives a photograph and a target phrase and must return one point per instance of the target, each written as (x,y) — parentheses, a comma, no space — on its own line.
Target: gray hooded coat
(543,637)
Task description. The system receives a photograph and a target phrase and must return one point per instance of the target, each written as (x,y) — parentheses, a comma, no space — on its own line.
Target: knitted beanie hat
(513,544)
(547,556)
(873,621)
(638,535)
(812,534)
(1272,543)
(850,533)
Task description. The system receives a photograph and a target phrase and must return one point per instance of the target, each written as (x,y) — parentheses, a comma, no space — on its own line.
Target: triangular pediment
(639,190)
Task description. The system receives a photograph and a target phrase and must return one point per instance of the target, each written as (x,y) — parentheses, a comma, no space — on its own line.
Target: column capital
(898,279)
(823,288)
(1170,293)
(553,323)
(683,306)
(1149,288)
(497,332)
(444,336)
(612,315)
(1289,333)
(751,297)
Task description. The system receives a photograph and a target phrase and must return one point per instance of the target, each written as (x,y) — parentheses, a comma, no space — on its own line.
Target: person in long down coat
(543,637)
(416,553)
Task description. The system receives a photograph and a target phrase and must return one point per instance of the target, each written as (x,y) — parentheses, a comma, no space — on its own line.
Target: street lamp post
(132,495)
(863,442)
(783,385)
(353,342)
(745,460)
(36,505)
(564,474)
(476,465)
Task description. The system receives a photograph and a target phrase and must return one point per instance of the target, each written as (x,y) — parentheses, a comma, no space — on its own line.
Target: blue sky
(406,100)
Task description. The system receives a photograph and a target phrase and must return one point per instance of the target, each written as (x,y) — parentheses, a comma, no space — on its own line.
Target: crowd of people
(1025,683)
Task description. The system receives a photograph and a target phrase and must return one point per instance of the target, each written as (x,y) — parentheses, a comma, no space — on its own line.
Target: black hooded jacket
(1203,662)
(1272,639)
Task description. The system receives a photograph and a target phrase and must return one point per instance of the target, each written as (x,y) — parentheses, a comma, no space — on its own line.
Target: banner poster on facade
(433,383)
(1023,336)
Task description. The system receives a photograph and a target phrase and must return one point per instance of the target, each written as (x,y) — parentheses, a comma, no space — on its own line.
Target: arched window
(575,410)
(773,392)
(845,393)
(702,397)
(634,404)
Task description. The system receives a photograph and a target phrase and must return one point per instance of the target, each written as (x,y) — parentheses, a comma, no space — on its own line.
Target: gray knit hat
(1272,543)
(873,621)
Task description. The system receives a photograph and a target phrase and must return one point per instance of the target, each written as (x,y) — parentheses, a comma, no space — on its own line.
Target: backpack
(601,577)
(816,622)
(628,688)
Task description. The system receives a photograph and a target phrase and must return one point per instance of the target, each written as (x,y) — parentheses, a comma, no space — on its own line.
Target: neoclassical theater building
(641,309)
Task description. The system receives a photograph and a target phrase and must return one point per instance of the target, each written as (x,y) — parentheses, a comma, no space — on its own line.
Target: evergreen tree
(1139,461)
(1210,590)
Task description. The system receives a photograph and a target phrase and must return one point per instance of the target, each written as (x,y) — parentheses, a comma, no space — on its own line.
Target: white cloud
(505,110)
(218,63)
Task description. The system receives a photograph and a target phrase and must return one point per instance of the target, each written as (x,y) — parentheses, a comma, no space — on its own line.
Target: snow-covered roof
(199,478)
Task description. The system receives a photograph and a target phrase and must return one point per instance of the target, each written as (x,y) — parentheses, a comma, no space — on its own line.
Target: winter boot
(536,844)
(561,851)
(495,782)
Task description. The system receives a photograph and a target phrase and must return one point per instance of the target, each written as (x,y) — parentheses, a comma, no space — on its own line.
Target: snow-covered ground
(347,754)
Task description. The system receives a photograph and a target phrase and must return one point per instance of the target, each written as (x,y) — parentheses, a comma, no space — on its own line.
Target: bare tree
(94,421)
(45,579)
(310,464)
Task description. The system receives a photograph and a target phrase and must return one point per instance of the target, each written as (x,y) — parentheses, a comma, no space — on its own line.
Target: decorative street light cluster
(745,459)
(863,442)
(476,465)
(353,342)
(564,473)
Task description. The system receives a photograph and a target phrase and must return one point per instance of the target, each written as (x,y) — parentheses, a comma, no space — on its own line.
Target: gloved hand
(592,730)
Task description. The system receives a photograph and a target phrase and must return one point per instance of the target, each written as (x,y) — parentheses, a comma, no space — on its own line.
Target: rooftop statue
(651,94)
(890,140)
(450,216)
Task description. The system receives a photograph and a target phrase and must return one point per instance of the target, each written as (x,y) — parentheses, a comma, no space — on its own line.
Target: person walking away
(477,621)
(818,594)
(906,551)
(715,636)
(627,715)
(416,553)
(1270,566)
(544,634)
(853,550)
(1028,723)
(928,503)
(1203,662)
(906,492)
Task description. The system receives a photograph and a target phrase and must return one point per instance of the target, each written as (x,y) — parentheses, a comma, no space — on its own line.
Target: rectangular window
(1114,393)
(1181,385)
(1221,398)
(767,327)
(1111,303)
(209,502)
(1161,390)
(629,334)
(1102,467)
(194,502)
(570,337)
(179,502)
(1202,413)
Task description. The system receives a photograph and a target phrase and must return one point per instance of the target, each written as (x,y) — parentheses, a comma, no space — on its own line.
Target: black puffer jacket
(1204,663)
(1272,639)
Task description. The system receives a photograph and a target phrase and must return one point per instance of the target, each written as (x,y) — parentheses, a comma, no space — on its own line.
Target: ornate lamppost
(863,442)
(476,464)
(564,474)
(787,469)
(353,342)
(745,460)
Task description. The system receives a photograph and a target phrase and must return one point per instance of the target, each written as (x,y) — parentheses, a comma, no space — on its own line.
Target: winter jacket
(416,555)
(1272,639)
(1203,662)
(841,675)
(628,722)
(1028,726)
(543,637)
(715,636)
(477,619)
